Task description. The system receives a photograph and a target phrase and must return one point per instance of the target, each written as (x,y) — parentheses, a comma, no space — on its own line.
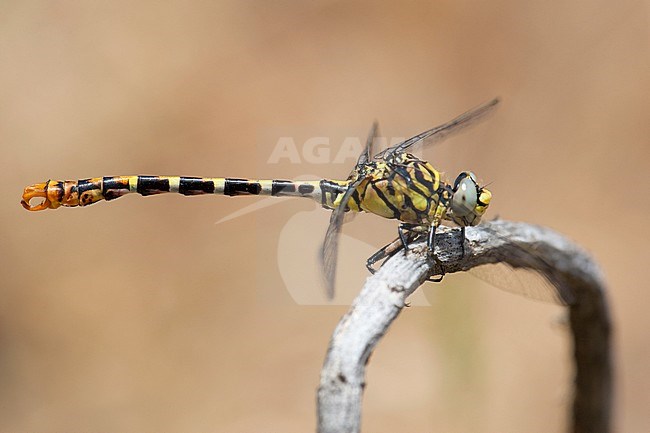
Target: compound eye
(465,197)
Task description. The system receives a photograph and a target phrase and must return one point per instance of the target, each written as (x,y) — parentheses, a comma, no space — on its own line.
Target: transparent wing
(331,242)
(441,132)
(523,281)
(519,281)
(366,153)
(329,252)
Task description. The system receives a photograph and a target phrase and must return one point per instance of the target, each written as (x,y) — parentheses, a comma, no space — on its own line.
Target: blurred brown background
(143,315)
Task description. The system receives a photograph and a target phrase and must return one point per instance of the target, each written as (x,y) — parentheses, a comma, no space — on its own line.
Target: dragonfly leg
(431,244)
(438,278)
(432,237)
(401,229)
(371,261)
(462,242)
(407,234)
(385,252)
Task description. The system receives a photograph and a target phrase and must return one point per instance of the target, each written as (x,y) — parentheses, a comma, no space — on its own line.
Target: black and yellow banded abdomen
(71,193)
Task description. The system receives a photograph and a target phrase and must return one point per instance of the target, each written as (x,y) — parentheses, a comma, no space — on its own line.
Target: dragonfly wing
(531,281)
(441,132)
(368,149)
(329,251)
(330,244)
(519,281)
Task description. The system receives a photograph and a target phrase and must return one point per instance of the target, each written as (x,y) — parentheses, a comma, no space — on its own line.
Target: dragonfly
(392,183)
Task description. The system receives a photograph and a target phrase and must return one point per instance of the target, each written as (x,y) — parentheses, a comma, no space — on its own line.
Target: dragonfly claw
(38,190)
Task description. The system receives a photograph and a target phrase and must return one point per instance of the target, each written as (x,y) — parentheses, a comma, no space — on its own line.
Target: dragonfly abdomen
(83,192)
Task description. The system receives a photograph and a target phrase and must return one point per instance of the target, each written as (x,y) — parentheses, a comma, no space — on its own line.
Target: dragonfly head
(469,201)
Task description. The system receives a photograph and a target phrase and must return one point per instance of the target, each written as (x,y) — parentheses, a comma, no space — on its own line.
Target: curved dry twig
(571,270)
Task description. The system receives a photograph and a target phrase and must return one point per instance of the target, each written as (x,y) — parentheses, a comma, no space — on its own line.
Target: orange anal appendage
(35,191)
(54,194)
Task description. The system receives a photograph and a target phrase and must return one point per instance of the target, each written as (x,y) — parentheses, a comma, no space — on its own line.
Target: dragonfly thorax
(402,187)
(409,189)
